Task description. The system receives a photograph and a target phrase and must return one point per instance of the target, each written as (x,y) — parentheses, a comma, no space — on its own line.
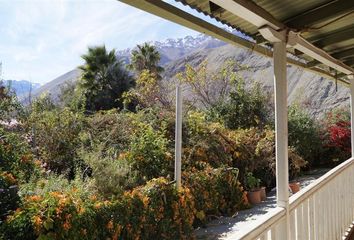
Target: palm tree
(146,57)
(104,79)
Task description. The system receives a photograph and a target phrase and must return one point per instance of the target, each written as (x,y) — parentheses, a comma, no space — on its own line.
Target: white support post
(281,132)
(352,113)
(178,136)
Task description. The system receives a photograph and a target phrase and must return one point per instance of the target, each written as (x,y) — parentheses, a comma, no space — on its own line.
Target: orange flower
(9,178)
(81,210)
(58,211)
(63,201)
(37,221)
(66,226)
(122,155)
(35,198)
(117,232)
(38,163)
(110,225)
(145,200)
(18,210)
(56,194)
(97,205)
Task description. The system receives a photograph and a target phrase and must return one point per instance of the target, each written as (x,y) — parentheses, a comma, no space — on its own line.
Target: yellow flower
(97,205)
(145,200)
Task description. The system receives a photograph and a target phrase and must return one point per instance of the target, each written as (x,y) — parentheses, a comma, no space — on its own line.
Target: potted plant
(294,186)
(263,193)
(252,185)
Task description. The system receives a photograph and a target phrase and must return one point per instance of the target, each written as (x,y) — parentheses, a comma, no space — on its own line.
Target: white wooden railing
(322,210)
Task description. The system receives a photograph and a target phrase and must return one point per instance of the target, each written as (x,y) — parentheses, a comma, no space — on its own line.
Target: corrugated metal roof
(328,25)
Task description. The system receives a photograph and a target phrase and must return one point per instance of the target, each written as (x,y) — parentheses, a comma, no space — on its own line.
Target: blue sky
(42,39)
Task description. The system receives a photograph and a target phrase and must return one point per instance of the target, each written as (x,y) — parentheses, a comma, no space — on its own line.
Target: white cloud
(45,38)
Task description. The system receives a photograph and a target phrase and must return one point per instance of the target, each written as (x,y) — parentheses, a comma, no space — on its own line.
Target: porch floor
(227,228)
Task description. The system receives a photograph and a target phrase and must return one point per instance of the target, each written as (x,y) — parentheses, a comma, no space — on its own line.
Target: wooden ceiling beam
(250,12)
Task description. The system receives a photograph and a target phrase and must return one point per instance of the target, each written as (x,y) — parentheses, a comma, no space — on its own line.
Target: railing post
(352,113)
(281,132)
(178,136)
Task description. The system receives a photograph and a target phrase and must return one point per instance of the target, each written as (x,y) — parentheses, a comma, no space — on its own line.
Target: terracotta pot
(295,187)
(254,197)
(263,194)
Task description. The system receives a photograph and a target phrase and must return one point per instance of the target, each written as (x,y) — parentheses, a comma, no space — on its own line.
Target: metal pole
(281,132)
(352,113)
(178,136)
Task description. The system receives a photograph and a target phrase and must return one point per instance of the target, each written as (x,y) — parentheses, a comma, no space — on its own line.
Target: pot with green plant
(253,190)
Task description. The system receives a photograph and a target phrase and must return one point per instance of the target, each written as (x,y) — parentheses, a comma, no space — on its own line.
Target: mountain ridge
(315,93)
(21,87)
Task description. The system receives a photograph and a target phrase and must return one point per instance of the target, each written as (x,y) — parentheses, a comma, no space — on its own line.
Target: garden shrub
(336,137)
(216,192)
(15,156)
(16,166)
(110,129)
(111,171)
(244,108)
(56,139)
(304,135)
(203,143)
(148,152)
(253,150)
(10,107)
(154,211)
(9,198)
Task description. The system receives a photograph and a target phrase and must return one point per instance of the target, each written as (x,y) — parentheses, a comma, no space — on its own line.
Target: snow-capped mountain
(172,49)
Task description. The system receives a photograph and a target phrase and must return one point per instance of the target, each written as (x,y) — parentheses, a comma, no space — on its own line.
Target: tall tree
(104,79)
(149,89)
(146,57)
(9,105)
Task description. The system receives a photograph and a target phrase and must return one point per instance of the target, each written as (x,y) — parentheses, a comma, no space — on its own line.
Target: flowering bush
(336,137)
(15,156)
(154,211)
(8,194)
(215,191)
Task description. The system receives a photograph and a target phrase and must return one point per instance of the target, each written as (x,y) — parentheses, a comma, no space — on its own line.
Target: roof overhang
(265,24)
